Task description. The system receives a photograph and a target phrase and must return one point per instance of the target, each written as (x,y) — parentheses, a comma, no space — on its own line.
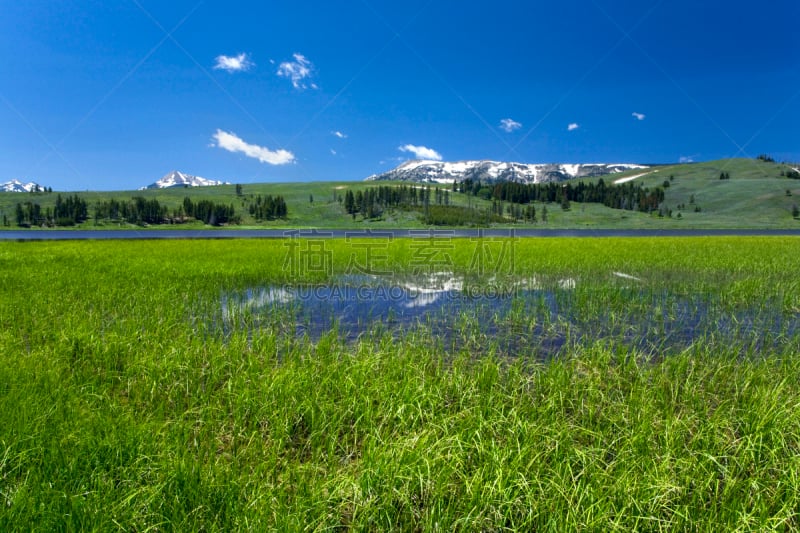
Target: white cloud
(339,134)
(333,152)
(686,159)
(509,125)
(421,152)
(638,116)
(232,143)
(574,126)
(298,70)
(234,63)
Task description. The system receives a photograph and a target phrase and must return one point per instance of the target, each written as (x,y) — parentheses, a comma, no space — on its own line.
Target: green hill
(757,194)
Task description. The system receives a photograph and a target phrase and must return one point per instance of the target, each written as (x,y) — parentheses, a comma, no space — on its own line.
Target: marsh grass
(123,407)
(530,318)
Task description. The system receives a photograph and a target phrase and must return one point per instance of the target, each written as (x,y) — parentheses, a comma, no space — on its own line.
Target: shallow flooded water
(520,317)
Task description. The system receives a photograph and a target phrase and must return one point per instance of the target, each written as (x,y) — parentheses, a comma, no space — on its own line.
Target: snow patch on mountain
(447,172)
(630,178)
(18,186)
(179,179)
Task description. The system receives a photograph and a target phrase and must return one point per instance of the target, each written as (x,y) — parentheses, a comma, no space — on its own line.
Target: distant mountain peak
(486,170)
(18,186)
(179,179)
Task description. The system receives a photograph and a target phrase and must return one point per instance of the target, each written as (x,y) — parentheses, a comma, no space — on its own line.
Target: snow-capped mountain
(18,186)
(442,172)
(179,179)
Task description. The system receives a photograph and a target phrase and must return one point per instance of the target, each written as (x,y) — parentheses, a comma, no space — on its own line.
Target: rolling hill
(758,194)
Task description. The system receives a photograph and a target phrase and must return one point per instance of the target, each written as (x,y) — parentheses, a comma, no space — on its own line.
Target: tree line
(630,196)
(210,213)
(435,207)
(268,208)
(372,202)
(432,203)
(66,212)
(138,210)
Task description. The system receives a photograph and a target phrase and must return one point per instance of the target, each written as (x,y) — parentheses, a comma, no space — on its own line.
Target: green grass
(324,211)
(123,406)
(754,197)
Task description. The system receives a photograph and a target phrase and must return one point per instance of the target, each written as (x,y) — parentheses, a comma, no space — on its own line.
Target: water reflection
(531,316)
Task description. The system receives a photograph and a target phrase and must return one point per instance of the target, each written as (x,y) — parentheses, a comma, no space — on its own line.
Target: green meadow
(757,195)
(128,401)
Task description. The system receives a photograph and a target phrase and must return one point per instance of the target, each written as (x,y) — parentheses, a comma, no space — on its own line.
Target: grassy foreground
(122,406)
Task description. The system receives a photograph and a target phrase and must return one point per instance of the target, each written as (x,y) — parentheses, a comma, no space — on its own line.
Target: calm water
(47,235)
(521,317)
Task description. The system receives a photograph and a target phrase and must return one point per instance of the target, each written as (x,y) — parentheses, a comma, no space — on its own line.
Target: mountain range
(179,179)
(488,171)
(18,186)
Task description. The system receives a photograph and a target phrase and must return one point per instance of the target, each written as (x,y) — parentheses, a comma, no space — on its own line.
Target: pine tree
(20,215)
(349,202)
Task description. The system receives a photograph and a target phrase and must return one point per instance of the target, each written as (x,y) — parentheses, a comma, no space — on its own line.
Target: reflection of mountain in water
(519,317)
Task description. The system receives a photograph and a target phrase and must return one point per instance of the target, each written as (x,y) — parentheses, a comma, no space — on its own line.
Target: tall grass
(122,406)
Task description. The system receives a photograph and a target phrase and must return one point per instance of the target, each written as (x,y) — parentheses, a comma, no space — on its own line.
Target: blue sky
(113,95)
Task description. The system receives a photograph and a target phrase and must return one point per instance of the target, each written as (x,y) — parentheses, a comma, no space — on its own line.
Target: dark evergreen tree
(267,208)
(349,202)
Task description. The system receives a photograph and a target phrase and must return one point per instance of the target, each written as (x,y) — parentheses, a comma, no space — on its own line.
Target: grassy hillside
(755,196)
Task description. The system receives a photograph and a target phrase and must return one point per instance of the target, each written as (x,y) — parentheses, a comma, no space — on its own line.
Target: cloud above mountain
(231,142)
(421,152)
